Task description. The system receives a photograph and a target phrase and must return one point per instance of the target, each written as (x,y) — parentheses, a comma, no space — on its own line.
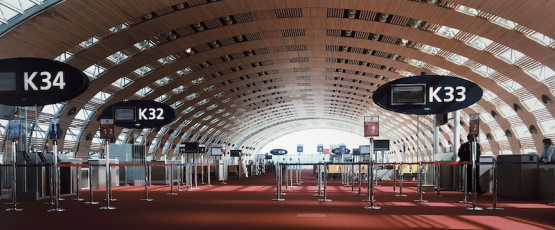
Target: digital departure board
(124,114)
(408,94)
(8,82)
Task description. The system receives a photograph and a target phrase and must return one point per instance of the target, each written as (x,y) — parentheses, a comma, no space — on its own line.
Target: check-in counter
(517,176)
(546,189)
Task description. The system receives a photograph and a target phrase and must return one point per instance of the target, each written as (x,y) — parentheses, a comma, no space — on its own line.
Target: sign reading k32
(37,81)
(427,94)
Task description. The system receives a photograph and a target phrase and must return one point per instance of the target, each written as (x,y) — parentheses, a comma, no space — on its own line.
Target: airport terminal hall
(277,114)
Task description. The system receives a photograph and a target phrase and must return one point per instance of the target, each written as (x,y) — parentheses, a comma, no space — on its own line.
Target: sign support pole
(370,180)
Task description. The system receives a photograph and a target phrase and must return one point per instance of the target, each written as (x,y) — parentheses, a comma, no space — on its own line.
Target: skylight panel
(457,59)
(541,72)
(84,114)
(505,23)
(144,70)
(189,109)
(207,118)
(118,57)
(163,81)
(541,38)
(176,104)
(198,114)
(144,91)
(186,122)
(204,101)
(511,56)
(218,94)
(94,71)
(64,57)
(179,89)
(53,108)
(548,127)
(417,63)
(144,45)
(118,28)
(161,98)
(102,96)
(522,131)
(196,125)
(122,82)
(209,88)
(430,49)
(214,120)
(89,42)
(533,104)
(212,106)
(479,43)
(467,10)
(506,111)
(184,72)
(484,70)
(447,32)
(441,71)
(197,81)
(510,85)
(192,96)
(166,60)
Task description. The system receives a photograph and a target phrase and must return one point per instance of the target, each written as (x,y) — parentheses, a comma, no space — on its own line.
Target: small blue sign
(300,149)
(320,148)
(342,148)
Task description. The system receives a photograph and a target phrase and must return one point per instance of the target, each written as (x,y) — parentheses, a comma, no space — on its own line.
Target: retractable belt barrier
(435,163)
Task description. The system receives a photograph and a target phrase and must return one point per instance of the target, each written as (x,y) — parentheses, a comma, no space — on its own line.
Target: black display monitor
(356,151)
(364,149)
(216,151)
(268,157)
(190,147)
(124,114)
(408,94)
(381,145)
(235,153)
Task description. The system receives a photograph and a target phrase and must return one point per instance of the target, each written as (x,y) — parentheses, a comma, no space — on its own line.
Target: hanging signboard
(38,81)
(371,126)
(299,148)
(474,124)
(427,94)
(278,151)
(106,128)
(139,114)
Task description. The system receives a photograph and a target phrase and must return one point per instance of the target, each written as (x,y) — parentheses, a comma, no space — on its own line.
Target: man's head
(470,137)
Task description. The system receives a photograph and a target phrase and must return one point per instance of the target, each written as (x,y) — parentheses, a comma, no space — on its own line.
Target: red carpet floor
(247,204)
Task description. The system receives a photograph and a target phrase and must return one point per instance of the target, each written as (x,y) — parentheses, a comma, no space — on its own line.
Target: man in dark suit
(465,154)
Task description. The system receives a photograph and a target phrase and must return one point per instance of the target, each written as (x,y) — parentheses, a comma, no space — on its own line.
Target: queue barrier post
(147,173)
(325,199)
(494,207)
(465,189)
(278,183)
(319,182)
(108,180)
(56,179)
(171,193)
(91,202)
(78,178)
(51,187)
(438,180)
(401,181)
(14,186)
(370,180)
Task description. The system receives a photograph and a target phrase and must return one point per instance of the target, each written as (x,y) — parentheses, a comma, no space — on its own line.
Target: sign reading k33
(139,114)
(37,81)
(427,94)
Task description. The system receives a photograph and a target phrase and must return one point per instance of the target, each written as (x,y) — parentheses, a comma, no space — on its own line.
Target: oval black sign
(38,81)
(278,151)
(427,94)
(139,114)
(338,151)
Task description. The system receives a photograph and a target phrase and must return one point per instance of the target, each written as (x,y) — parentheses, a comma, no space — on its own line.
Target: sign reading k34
(37,81)
(427,94)
(139,114)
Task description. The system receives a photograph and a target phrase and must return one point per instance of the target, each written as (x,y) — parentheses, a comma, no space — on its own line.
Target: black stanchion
(494,207)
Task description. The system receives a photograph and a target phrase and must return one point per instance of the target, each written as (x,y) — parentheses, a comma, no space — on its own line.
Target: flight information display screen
(408,94)
(124,114)
(8,82)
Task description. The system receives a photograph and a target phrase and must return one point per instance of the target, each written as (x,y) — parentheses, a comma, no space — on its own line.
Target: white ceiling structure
(242,73)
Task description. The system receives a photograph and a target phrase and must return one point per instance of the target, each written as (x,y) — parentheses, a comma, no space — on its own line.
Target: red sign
(326,151)
(371,126)
(474,124)
(106,128)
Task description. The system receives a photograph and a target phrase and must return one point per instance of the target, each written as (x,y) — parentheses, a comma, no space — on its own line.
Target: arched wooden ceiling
(244,72)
